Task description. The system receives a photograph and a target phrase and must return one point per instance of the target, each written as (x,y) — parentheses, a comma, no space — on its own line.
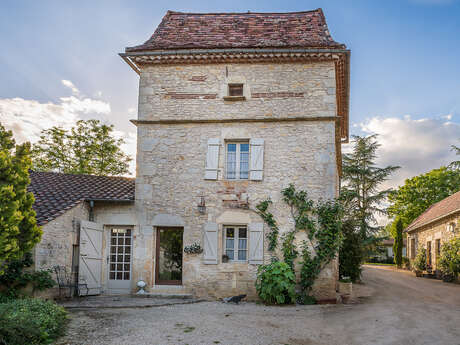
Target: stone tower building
(233,107)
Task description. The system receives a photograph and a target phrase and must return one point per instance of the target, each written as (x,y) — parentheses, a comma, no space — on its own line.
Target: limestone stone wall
(170,180)
(56,245)
(271,91)
(431,233)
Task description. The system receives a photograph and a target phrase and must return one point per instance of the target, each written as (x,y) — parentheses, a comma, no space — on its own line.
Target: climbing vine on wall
(320,221)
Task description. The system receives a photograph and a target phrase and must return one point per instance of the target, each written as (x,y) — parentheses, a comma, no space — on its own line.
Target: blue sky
(405,69)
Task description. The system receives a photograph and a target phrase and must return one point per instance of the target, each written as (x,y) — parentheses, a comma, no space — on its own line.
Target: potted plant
(420,262)
(345,288)
(225,258)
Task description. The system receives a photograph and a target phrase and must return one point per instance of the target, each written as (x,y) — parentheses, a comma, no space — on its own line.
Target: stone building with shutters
(233,107)
(434,227)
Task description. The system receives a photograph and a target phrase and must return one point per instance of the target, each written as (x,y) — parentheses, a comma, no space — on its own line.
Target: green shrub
(351,253)
(405,262)
(275,283)
(30,321)
(420,260)
(16,277)
(449,261)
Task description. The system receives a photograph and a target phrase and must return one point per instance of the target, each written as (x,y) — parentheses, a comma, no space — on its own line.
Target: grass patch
(31,321)
(189,329)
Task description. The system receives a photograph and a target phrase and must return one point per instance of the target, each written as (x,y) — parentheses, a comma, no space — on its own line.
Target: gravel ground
(393,308)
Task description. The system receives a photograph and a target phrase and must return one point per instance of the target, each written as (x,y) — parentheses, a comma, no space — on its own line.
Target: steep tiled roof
(180,30)
(440,209)
(56,193)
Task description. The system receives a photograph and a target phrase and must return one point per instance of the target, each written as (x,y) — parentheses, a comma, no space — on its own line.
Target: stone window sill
(234,98)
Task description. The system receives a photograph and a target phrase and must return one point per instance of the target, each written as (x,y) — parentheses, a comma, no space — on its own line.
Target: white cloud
(27,118)
(70,85)
(417,145)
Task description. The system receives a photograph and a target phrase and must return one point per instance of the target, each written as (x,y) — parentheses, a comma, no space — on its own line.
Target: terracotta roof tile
(180,30)
(56,193)
(438,210)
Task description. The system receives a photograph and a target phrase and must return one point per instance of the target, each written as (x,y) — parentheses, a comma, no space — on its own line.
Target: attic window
(235,90)
(235,93)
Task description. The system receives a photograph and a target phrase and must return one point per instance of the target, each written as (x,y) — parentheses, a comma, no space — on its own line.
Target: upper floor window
(235,90)
(237,161)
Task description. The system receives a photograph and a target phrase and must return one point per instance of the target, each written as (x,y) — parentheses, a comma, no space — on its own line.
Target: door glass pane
(120,264)
(170,255)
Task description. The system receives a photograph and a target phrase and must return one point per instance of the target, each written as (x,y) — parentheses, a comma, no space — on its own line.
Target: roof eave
(432,221)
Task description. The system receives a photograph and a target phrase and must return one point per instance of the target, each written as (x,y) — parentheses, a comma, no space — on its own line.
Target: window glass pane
(242,243)
(126,267)
(241,254)
(244,165)
(242,232)
(230,254)
(230,232)
(127,258)
(119,275)
(113,249)
(229,243)
(113,258)
(244,147)
(112,275)
(128,241)
(231,161)
(119,267)
(120,240)
(126,276)
(112,267)
(127,250)
(120,258)
(128,232)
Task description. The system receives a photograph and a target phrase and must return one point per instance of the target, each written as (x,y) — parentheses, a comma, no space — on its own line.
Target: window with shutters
(236,242)
(237,160)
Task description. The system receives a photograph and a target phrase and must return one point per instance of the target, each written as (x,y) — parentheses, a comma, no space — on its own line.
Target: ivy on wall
(320,221)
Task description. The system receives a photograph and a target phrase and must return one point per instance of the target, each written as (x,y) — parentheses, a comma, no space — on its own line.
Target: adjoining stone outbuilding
(434,227)
(68,207)
(233,107)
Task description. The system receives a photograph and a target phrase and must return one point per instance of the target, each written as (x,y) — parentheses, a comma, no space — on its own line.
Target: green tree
(362,179)
(18,227)
(88,148)
(362,198)
(420,192)
(398,243)
(455,164)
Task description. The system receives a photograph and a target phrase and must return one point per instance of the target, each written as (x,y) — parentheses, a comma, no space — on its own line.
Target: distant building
(437,225)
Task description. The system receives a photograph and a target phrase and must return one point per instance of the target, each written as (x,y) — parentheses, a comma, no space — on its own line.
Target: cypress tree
(18,227)
(398,244)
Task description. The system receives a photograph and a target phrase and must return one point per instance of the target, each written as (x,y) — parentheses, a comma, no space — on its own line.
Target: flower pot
(345,288)
(447,278)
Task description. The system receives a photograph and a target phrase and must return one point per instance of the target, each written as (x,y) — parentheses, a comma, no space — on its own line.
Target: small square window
(235,90)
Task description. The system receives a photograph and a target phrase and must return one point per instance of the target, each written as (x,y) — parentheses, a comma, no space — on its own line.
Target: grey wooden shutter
(90,263)
(257,159)
(212,159)
(210,243)
(256,243)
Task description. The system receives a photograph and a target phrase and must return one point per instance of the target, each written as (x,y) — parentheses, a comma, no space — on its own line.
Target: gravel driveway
(394,308)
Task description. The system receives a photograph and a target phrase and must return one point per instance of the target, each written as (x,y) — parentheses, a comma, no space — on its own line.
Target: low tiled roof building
(437,225)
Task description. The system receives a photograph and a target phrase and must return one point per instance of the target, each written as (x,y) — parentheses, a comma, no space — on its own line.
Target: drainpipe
(91,211)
